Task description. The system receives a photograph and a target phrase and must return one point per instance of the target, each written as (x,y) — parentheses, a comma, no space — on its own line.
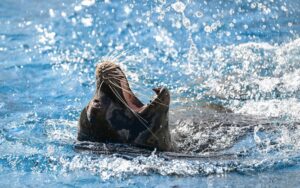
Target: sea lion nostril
(96,101)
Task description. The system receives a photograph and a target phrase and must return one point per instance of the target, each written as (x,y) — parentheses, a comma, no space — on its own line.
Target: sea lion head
(115,114)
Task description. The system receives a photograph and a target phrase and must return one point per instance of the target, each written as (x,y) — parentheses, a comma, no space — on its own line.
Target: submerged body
(116,115)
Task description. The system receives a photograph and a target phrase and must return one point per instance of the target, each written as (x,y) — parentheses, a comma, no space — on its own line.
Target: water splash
(243,55)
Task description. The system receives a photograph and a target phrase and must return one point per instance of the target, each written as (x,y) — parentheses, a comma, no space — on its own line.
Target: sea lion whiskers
(128,60)
(100,85)
(122,53)
(115,73)
(142,120)
(108,69)
(139,93)
(121,80)
(122,100)
(107,57)
(114,57)
(126,90)
(111,54)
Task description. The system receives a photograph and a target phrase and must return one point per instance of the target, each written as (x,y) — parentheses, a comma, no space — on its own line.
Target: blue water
(242,54)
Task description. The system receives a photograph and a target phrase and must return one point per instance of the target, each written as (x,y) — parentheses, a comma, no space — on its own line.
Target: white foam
(88,2)
(272,108)
(237,72)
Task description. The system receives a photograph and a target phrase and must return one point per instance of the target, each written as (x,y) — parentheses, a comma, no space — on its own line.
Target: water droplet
(207,29)
(127,9)
(199,14)
(253,5)
(63,14)
(88,2)
(51,13)
(178,6)
(283,8)
(87,21)
(74,21)
(186,22)
(77,8)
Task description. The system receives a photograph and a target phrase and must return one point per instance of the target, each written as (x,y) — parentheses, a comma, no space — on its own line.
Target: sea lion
(116,115)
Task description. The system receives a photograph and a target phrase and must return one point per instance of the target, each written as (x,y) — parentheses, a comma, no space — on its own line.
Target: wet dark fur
(115,115)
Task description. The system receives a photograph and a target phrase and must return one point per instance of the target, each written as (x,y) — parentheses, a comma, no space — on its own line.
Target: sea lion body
(115,115)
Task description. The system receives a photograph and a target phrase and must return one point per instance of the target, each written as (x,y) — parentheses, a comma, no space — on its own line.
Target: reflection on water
(242,55)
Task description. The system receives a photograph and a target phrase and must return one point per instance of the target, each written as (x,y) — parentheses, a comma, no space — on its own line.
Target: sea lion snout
(105,70)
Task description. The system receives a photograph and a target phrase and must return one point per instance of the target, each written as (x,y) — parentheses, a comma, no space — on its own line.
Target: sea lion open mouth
(115,114)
